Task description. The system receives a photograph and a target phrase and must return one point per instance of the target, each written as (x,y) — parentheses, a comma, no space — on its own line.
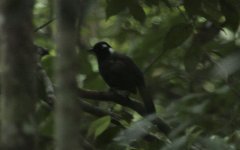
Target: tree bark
(18,59)
(67,116)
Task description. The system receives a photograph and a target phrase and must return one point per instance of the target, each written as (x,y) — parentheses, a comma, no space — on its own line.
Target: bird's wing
(132,69)
(125,67)
(120,72)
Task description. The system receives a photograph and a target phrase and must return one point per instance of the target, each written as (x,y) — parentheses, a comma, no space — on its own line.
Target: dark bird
(121,73)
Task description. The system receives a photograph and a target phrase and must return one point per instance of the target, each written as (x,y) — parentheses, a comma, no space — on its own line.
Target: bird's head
(101,48)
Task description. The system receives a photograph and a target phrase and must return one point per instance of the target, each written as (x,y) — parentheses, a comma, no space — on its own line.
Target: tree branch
(112,97)
(48,86)
(51,98)
(125,101)
(100,113)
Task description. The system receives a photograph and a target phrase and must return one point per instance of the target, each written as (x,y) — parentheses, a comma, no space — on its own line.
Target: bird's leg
(117,92)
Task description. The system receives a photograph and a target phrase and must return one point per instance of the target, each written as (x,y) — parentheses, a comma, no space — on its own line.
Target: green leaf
(47,63)
(193,7)
(209,9)
(46,127)
(212,10)
(177,35)
(99,126)
(216,142)
(137,12)
(115,6)
(231,14)
(177,144)
(167,3)
(192,58)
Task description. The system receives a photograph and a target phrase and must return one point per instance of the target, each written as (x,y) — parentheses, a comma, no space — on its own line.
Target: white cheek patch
(111,50)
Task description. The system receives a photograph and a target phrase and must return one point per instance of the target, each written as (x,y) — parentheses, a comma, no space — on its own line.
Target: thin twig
(44,25)
(153,62)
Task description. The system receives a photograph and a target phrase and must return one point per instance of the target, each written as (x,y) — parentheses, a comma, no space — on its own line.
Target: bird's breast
(116,76)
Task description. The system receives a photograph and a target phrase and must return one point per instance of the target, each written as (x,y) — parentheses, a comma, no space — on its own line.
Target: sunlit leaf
(227,66)
(216,142)
(136,131)
(178,144)
(99,126)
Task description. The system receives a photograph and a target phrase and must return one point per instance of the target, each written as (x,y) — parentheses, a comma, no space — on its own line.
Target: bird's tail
(150,109)
(147,99)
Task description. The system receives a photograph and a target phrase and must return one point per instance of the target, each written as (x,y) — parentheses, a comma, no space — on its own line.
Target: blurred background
(189,53)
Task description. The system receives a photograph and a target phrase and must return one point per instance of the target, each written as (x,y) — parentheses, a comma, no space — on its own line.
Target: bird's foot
(120,92)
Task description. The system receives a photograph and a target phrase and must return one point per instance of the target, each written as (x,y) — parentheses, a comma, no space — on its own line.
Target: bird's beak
(90,51)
